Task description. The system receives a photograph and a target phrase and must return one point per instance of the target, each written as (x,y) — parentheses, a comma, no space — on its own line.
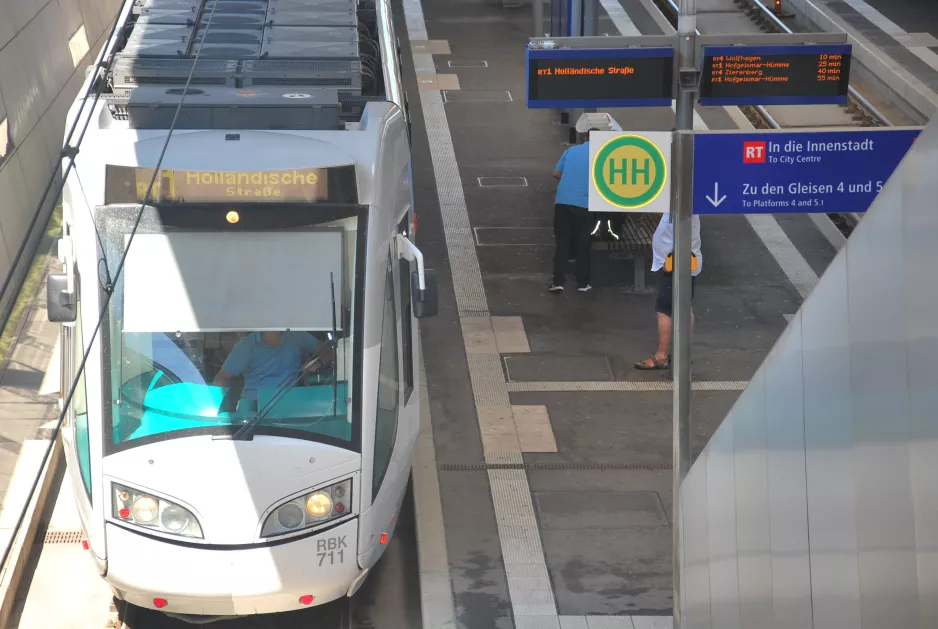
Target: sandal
(653,364)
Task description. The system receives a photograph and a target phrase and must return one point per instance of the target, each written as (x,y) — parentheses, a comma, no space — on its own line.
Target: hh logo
(753,152)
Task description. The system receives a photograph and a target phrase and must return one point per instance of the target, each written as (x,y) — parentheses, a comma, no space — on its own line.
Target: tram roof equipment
(255,54)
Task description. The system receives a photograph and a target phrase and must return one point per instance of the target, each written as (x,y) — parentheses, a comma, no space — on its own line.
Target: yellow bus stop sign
(629,171)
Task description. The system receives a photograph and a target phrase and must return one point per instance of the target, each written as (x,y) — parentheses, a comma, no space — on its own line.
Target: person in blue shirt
(268,359)
(571,216)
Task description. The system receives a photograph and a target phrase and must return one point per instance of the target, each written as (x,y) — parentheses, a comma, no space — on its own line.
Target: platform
(553,452)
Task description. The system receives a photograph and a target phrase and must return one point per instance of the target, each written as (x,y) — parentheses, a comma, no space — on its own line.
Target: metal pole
(590,18)
(575,28)
(681,215)
(590,28)
(538,6)
(576,12)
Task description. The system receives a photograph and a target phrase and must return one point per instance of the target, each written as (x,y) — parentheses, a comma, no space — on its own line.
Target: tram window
(388,389)
(406,325)
(187,300)
(80,408)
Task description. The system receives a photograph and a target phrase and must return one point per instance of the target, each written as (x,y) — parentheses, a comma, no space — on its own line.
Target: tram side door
(397,412)
(75,436)
(410,350)
(391,493)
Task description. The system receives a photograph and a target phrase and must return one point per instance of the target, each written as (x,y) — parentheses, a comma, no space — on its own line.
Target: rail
(767,14)
(852,218)
(771,17)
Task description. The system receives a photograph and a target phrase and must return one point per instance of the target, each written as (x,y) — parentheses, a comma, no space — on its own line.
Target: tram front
(243,434)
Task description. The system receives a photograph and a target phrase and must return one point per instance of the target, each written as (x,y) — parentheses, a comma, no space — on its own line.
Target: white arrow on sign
(716,200)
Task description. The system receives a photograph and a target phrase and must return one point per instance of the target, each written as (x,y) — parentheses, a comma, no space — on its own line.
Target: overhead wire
(120,267)
(71,152)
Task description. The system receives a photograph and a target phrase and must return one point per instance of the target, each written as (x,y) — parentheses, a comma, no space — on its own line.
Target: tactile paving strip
(488,380)
(460,244)
(525,567)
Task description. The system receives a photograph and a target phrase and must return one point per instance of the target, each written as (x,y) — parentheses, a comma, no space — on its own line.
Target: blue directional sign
(792,172)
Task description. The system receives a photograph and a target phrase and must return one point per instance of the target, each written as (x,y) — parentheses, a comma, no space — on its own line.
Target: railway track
(337,615)
(858,112)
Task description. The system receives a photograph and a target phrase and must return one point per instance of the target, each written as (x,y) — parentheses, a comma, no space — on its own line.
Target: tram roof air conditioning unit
(129,73)
(310,16)
(181,15)
(326,6)
(339,73)
(153,107)
(310,42)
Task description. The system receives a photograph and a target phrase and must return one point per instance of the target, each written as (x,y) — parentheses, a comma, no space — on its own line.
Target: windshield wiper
(246,432)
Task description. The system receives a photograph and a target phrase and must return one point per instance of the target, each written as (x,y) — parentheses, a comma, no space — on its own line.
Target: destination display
(623,77)
(126,184)
(775,75)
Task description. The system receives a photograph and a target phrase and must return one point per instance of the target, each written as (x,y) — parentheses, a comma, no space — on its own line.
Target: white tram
(242,436)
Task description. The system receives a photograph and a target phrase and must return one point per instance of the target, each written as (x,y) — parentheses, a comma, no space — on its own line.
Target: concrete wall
(815,504)
(45,46)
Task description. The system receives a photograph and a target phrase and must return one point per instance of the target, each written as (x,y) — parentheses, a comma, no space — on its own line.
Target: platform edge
(23,542)
(437,609)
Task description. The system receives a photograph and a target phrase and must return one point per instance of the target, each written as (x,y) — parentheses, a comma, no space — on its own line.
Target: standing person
(662,244)
(571,216)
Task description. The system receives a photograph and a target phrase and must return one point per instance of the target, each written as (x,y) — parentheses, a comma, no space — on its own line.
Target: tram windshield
(210,330)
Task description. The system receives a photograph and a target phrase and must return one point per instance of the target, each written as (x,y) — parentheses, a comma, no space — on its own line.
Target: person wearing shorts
(662,244)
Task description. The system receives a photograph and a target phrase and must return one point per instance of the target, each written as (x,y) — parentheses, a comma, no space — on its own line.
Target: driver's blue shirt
(265,366)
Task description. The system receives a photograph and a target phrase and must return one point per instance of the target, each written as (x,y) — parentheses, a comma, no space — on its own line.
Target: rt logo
(629,171)
(753,152)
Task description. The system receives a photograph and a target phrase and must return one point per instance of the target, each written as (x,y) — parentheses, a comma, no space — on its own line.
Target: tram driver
(269,359)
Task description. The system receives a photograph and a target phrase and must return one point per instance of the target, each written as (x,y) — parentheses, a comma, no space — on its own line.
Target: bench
(634,242)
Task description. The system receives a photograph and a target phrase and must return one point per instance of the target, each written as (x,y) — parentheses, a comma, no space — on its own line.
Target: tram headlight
(146,509)
(310,509)
(153,512)
(319,505)
(290,516)
(175,518)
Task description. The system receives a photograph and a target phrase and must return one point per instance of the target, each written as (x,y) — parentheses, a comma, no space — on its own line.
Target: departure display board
(621,77)
(775,75)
